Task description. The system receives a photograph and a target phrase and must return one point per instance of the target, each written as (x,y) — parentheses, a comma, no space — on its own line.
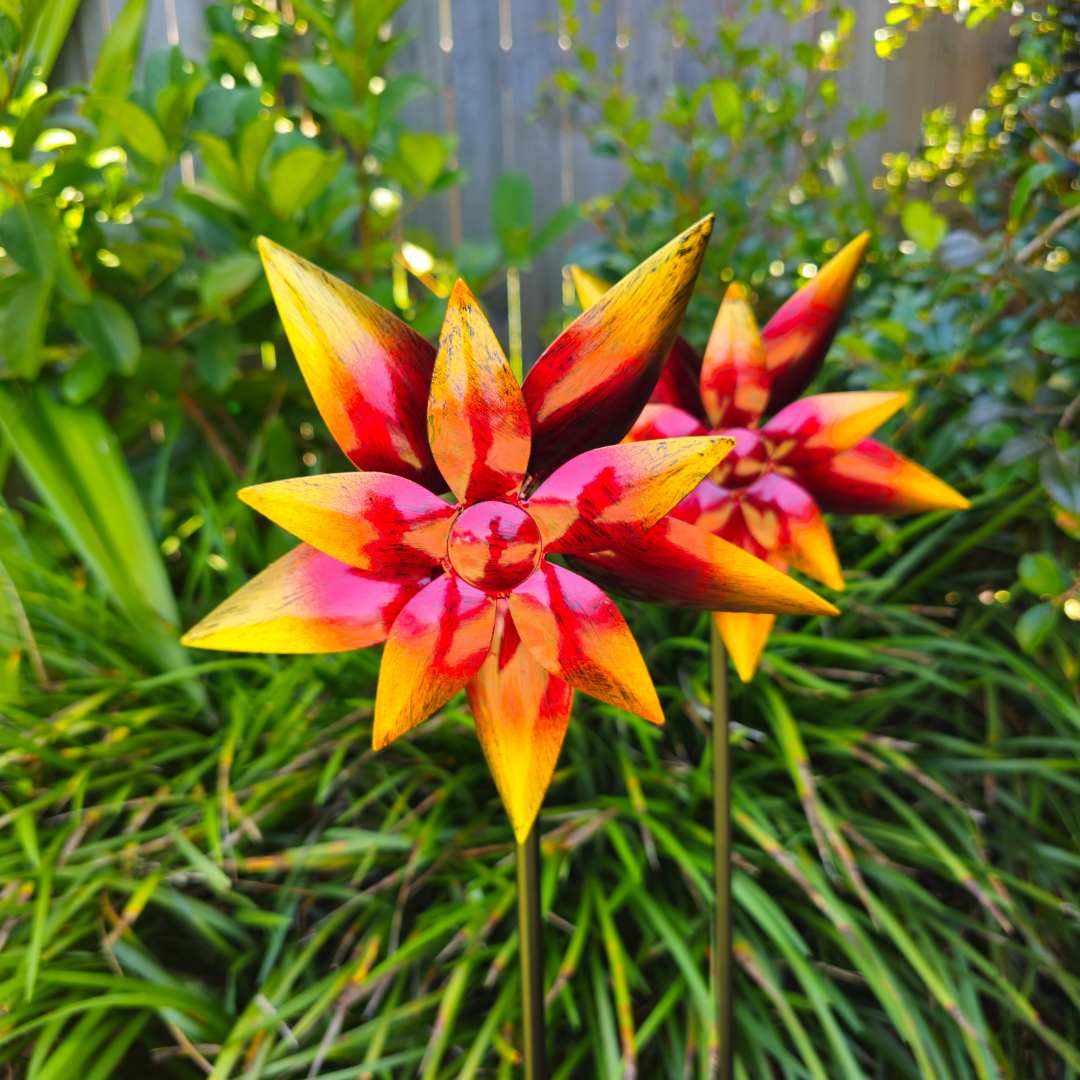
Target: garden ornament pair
(483,515)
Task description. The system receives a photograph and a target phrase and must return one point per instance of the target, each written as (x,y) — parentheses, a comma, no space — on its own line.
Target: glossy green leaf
(1058,339)
(1035,626)
(1028,183)
(1059,471)
(134,126)
(726,101)
(424,155)
(48,27)
(299,177)
(226,278)
(216,351)
(255,140)
(1040,573)
(84,378)
(26,233)
(329,84)
(923,224)
(106,328)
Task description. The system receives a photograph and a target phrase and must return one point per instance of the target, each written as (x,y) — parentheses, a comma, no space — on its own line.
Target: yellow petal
(744,635)
(588,286)
(521,717)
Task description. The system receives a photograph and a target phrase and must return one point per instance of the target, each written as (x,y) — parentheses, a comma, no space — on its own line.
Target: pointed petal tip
(889,403)
(743,669)
(199,636)
(802,600)
(704,226)
(745,637)
(745,666)
(744,659)
(259,496)
(937,495)
(273,255)
(861,242)
(736,293)
(835,582)
(720,447)
(697,236)
(460,294)
(588,287)
(266,246)
(836,276)
(648,705)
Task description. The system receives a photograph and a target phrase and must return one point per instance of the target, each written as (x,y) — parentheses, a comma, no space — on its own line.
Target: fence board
(488,62)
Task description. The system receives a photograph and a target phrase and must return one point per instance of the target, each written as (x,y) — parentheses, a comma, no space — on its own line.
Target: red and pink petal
(815,428)
(578,634)
(678,382)
(437,644)
(871,478)
(679,564)
(734,376)
(386,524)
(591,383)
(602,497)
(304,602)
(662,421)
(783,518)
(798,336)
(367,371)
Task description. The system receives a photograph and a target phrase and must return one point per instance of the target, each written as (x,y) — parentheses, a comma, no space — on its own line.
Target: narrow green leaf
(118,53)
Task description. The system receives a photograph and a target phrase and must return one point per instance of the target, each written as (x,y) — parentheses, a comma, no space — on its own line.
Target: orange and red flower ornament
(462,588)
(812,454)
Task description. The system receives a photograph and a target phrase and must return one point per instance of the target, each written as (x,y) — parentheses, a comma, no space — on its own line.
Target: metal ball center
(494,546)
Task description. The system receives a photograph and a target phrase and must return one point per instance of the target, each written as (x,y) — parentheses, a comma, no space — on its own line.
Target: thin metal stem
(530,947)
(513,318)
(723,1056)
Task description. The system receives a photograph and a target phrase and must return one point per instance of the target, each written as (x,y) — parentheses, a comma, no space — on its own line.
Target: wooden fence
(490,57)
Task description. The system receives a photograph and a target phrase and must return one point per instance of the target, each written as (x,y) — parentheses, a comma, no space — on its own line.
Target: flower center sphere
(494,546)
(749,459)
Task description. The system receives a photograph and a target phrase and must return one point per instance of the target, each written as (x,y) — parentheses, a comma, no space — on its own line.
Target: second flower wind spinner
(793,457)
(467,483)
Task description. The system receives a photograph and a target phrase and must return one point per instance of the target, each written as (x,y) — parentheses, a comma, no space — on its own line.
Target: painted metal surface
(462,591)
(811,453)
